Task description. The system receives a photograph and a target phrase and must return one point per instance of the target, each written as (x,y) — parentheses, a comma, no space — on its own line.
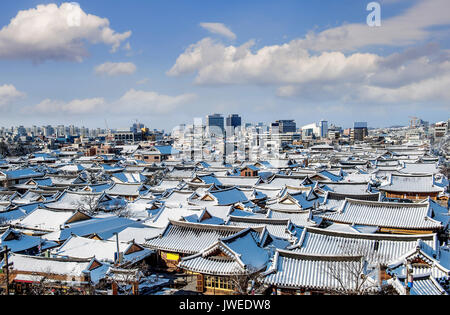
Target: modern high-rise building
(360,131)
(214,123)
(323,128)
(286,126)
(234,121)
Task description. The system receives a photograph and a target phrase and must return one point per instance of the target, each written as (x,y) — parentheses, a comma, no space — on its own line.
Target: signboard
(174,257)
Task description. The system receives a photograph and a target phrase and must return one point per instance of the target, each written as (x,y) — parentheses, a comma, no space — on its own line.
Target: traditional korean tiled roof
(103,227)
(228,196)
(128,177)
(103,250)
(280,182)
(411,184)
(128,190)
(331,175)
(22,173)
(57,266)
(239,181)
(314,272)
(240,253)
(376,248)
(299,218)
(190,238)
(419,168)
(282,228)
(422,285)
(18,242)
(71,200)
(421,262)
(44,219)
(295,201)
(385,214)
(166,184)
(334,201)
(347,188)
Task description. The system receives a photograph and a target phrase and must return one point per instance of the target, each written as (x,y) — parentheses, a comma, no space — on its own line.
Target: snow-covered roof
(376,248)
(411,184)
(385,215)
(237,254)
(103,250)
(315,272)
(60,267)
(190,238)
(44,220)
(128,177)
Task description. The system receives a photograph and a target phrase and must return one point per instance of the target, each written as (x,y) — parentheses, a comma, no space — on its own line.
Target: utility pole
(6,266)
(118,250)
(409,278)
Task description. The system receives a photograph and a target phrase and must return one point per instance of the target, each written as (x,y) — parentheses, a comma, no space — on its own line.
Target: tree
(88,204)
(4,150)
(248,282)
(156,177)
(126,281)
(120,208)
(351,272)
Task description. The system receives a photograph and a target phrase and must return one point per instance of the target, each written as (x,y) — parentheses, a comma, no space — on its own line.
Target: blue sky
(266,60)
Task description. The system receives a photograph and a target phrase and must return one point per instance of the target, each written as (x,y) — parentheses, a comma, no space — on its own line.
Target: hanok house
(333,201)
(223,267)
(390,217)
(128,191)
(42,221)
(280,228)
(413,187)
(19,176)
(300,274)
(428,275)
(181,239)
(104,250)
(377,248)
(21,243)
(43,275)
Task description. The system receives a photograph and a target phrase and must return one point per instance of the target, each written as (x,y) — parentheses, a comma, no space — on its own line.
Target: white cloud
(215,63)
(152,102)
(219,28)
(115,68)
(49,32)
(413,26)
(324,67)
(74,107)
(9,93)
(133,101)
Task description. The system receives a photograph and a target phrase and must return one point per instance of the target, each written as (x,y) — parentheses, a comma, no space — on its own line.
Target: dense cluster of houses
(334,220)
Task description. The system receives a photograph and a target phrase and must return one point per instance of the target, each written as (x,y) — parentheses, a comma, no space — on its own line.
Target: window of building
(222,283)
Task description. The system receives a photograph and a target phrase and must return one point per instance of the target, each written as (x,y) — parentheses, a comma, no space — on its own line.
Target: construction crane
(108,130)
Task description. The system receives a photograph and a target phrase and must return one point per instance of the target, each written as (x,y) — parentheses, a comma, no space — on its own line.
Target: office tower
(286,126)
(234,121)
(215,124)
(323,128)
(360,131)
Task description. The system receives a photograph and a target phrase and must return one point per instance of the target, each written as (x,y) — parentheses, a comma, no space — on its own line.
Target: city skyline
(204,120)
(166,63)
(205,123)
